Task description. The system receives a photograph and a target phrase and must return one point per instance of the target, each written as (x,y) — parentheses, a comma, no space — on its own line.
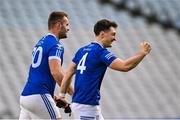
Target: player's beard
(62,33)
(108,45)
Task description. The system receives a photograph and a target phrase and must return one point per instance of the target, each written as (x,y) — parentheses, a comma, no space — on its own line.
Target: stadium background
(152,90)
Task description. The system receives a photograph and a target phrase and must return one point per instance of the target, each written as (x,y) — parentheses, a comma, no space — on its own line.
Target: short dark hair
(54,17)
(103,25)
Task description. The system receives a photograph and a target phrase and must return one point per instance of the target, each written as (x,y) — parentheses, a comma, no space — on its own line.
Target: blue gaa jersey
(91,63)
(40,80)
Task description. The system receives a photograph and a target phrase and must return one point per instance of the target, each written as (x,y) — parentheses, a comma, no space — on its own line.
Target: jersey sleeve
(107,57)
(75,58)
(56,52)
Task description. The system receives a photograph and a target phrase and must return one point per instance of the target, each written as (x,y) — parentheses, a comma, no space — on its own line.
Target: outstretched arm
(132,62)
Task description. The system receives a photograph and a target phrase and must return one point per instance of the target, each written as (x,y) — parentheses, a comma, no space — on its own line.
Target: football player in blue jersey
(36,100)
(89,64)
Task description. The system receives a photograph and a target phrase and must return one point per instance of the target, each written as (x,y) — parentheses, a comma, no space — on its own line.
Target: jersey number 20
(39,49)
(81,65)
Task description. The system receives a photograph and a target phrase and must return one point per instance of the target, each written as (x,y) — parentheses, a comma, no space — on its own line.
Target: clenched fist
(145,47)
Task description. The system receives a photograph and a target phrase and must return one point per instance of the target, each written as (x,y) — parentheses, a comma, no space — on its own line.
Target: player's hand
(62,103)
(145,47)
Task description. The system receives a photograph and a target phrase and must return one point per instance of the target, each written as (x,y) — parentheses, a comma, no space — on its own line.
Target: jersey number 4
(81,65)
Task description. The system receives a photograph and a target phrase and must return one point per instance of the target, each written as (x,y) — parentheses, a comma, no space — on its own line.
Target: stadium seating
(149,91)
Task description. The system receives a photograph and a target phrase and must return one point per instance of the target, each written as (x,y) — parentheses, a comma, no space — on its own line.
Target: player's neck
(99,41)
(54,33)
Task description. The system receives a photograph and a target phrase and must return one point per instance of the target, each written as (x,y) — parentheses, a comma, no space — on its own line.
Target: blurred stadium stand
(164,12)
(152,90)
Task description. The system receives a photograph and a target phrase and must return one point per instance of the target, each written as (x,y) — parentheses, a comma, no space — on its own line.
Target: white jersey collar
(52,35)
(98,43)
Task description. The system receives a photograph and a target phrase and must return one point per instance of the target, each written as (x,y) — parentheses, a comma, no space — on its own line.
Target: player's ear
(58,24)
(101,34)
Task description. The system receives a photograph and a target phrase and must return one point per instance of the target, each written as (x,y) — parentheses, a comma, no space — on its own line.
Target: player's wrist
(143,53)
(62,95)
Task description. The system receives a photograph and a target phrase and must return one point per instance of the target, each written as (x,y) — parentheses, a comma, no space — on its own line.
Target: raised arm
(130,63)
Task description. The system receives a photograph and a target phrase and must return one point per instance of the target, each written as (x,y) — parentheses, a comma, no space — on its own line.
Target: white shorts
(39,106)
(86,112)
